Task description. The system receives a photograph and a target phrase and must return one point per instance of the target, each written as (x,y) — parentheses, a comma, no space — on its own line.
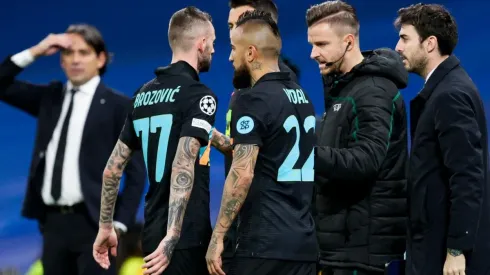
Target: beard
(242,78)
(204,62)
(415,63)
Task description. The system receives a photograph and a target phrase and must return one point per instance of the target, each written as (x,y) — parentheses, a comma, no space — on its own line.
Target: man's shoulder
(117,95)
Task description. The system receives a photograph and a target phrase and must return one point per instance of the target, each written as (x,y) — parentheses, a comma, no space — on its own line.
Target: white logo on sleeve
(245,125)
(208,105)
(201,123)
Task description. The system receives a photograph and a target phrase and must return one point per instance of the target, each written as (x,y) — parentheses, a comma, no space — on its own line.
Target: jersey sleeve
(128,134)
(199,116)
(250,116)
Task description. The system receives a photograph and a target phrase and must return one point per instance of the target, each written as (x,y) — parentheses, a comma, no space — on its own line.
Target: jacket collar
(438,75)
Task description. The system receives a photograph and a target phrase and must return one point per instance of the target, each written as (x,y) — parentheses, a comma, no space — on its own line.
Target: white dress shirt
(430,73)
(71,191)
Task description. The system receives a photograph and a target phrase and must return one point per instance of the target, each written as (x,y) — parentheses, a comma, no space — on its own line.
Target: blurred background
(137,36)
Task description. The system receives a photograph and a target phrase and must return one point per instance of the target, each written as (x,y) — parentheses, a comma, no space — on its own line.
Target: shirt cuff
(120,226)
(23,59)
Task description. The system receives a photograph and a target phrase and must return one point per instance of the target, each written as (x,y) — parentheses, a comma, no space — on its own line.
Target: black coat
(360,165)
(448,174)
(102,128)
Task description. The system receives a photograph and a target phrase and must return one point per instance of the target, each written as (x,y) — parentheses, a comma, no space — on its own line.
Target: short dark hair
(260,17)
(261,5)
(335,13)
(431,20)
(93,38)
(182,21)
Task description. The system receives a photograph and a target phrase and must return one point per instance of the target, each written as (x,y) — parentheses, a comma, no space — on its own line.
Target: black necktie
(60,153)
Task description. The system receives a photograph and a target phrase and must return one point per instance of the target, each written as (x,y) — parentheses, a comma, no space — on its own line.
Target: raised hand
(51,45)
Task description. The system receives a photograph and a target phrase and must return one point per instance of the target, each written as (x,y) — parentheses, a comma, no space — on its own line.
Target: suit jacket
(103,125)
(448,183)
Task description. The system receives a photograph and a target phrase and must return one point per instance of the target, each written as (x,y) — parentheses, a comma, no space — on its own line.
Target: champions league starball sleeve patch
(208,105)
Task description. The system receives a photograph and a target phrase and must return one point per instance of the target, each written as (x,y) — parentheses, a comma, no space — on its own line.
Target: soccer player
(171,122)
(271,176)
(223,142)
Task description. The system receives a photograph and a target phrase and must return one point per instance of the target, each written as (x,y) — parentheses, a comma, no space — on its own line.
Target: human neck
(351,61)
(432,63)
(259,68)
(191,60)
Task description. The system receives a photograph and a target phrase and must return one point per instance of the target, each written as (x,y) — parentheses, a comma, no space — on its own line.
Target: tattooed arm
(236,187)
(182,181)
(111,180)
(222,143)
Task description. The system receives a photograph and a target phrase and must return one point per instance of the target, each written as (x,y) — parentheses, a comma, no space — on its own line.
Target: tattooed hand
(158,261)
(213,256)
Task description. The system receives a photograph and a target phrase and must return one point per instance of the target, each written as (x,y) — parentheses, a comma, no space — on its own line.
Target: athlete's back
(275,220)
(173,105)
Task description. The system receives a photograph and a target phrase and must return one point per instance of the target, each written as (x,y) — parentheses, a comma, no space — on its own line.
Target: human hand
(105,241)
(159,260)
(213,255)
(455,264)
(51,45)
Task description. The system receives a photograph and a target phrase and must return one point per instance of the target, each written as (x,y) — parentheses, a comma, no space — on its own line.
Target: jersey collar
(274,76)
(178,68)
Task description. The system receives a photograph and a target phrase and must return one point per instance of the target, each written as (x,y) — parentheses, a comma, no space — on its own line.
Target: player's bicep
(187,151)
(199,118)
(244,158)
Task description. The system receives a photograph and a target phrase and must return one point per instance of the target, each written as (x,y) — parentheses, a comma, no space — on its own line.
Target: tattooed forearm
(222,143)
(168,248)
(110,181)
(181,183)
(237,185)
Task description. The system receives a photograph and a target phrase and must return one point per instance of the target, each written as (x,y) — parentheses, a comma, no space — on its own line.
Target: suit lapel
(56,104)
(96,109)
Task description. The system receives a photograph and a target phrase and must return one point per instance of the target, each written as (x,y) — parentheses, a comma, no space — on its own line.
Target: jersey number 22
(286,171)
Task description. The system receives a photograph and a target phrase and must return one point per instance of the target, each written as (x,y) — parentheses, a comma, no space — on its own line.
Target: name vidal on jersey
(154,97)
(296,96)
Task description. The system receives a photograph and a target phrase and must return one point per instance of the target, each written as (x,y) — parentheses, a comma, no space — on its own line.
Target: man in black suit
(78,124)
(448,187)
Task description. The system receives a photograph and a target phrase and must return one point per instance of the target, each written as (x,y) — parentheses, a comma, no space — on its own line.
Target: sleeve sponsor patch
(245,125)
(201,123)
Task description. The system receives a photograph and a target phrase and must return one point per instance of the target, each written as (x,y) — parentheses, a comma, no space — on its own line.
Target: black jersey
(275,220)
(230,238)
(172,105)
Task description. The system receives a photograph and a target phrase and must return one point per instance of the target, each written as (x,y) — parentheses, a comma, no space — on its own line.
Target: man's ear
(251,53)
(201,45)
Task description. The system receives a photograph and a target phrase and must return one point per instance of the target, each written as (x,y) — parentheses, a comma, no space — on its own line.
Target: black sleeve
(199,115)
(128,134)
(367,149)
(461,146)
(250,116)
(20,94)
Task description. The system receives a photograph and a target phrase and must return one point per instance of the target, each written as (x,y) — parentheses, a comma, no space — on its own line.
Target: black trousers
(191,261)
(346,271)
(68,238)
(258,266)
(226,263)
